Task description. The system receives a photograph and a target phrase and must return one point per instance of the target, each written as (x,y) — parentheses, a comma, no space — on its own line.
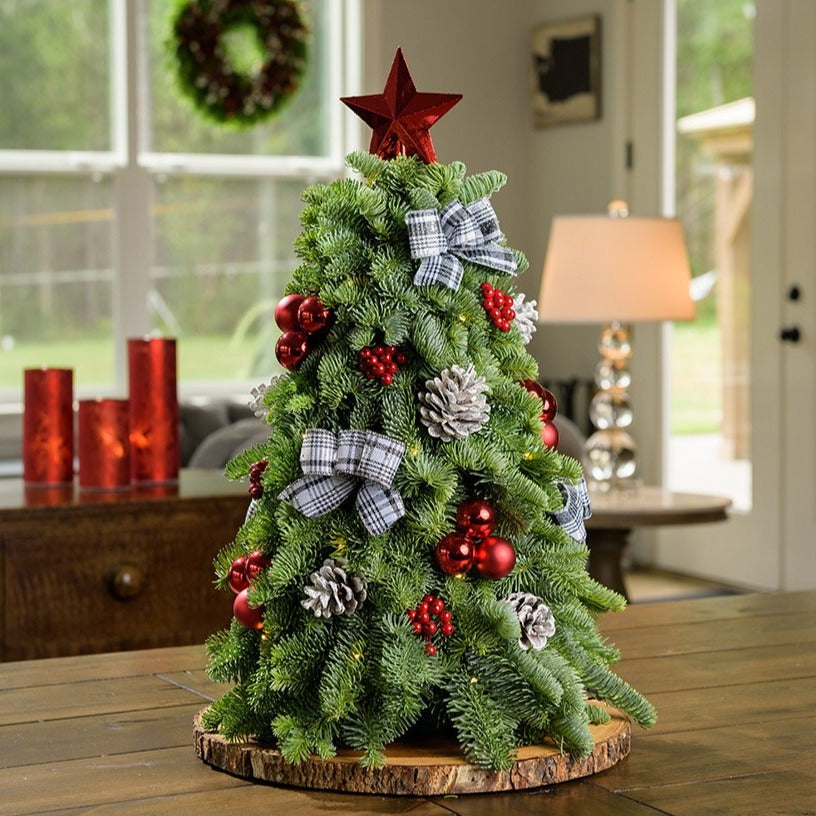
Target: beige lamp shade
(601,269)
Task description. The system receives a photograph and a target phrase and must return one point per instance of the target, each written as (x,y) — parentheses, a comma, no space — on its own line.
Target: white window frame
(132,166)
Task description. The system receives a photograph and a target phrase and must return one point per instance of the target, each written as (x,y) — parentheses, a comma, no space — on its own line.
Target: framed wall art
(566,71)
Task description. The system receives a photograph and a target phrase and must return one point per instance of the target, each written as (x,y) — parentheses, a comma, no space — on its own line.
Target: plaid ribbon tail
(317,495)
(492,255)
(444,269)
(575,510)
(378,507)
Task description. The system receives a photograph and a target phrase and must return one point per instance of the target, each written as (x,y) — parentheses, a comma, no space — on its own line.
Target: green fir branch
(484,727)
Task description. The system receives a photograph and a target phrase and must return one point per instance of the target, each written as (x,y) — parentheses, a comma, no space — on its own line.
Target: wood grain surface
(734,681)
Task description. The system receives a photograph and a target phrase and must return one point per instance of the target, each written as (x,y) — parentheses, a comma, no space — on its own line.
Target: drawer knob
(126,582)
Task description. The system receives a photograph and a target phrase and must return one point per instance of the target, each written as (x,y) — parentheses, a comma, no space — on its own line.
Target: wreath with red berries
(206,74)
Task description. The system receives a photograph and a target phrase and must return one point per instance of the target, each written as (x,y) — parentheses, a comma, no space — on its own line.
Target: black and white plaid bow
(575,510)
(440,239)
(333,466)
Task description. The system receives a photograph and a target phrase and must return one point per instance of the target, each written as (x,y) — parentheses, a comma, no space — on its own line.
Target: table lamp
(614,269)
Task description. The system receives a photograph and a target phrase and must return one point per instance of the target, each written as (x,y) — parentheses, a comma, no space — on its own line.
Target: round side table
(615,513)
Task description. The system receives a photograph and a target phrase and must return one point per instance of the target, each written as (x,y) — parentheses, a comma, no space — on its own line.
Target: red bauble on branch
(549,435)
(286,312)
(255,562)
(549,405)
(250,617)
(313,315)
(303,320)
(455,554)
(291,349)
(495,558)
(476,518)
(245,569)
(237,577)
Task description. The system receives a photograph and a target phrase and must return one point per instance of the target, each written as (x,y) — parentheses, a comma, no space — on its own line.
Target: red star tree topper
(400,116)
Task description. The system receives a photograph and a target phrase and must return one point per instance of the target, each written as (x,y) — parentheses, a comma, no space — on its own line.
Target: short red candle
(104,445)
(154,410)
(48,426)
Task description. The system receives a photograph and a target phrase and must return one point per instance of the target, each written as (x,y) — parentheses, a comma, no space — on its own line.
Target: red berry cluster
(255,486)
(498,306)
(381,362)
(423,625)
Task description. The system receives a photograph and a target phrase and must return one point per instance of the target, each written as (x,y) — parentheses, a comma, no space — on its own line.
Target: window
(123,212)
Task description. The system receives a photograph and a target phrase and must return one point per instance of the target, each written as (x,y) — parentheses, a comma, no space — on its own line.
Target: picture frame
(565,71)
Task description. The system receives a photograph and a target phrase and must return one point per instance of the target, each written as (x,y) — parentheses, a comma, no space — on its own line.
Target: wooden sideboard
(84,572)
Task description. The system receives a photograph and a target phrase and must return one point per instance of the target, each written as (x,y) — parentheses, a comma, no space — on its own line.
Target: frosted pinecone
(454,406)
(526,316)
(536,619)
(333,591)
(256,404)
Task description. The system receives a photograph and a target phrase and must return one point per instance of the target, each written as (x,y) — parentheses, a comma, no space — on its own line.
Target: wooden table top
(648,506)
(733,679)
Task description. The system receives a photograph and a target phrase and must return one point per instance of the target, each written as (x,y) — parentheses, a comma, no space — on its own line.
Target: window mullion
(132,244)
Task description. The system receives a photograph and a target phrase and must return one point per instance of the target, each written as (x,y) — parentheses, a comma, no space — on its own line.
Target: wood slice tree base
(433,768)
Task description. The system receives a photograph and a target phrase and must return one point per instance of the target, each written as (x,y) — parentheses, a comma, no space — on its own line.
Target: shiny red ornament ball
(549,435)
(495,558)
(313,315)
(286,312)
(250,617)
(550,405)
(237,577)
(476,518)
(454,554)
(255,563)
(534,388)
(430,650)
(291,349)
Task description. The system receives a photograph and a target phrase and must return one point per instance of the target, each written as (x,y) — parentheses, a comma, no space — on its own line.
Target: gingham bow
(333,466)
(440,239)
(575,510)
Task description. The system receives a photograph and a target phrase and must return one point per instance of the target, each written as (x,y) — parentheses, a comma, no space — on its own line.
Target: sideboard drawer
(99,578)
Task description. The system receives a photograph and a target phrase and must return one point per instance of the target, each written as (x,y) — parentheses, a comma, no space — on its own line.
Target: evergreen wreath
(208,78)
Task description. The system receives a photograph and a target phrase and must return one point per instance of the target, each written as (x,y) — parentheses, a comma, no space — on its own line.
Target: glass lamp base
(611,456)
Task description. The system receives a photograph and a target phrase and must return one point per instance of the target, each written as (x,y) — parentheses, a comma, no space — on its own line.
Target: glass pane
(710,384)
(56,278)
(300,128)
(223,253)
(55,65)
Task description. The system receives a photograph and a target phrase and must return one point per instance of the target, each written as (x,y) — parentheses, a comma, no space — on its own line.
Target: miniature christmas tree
(414,554)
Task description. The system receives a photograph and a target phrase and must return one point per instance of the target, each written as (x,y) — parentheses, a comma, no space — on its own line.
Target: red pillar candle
(48,426)
(154,411)
(104,445)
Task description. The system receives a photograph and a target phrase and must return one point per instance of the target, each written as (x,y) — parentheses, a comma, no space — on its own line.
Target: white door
(768,542)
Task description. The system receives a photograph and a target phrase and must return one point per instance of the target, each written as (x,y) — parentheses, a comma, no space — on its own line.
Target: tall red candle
(154,410)
(104,445)
(48,426)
